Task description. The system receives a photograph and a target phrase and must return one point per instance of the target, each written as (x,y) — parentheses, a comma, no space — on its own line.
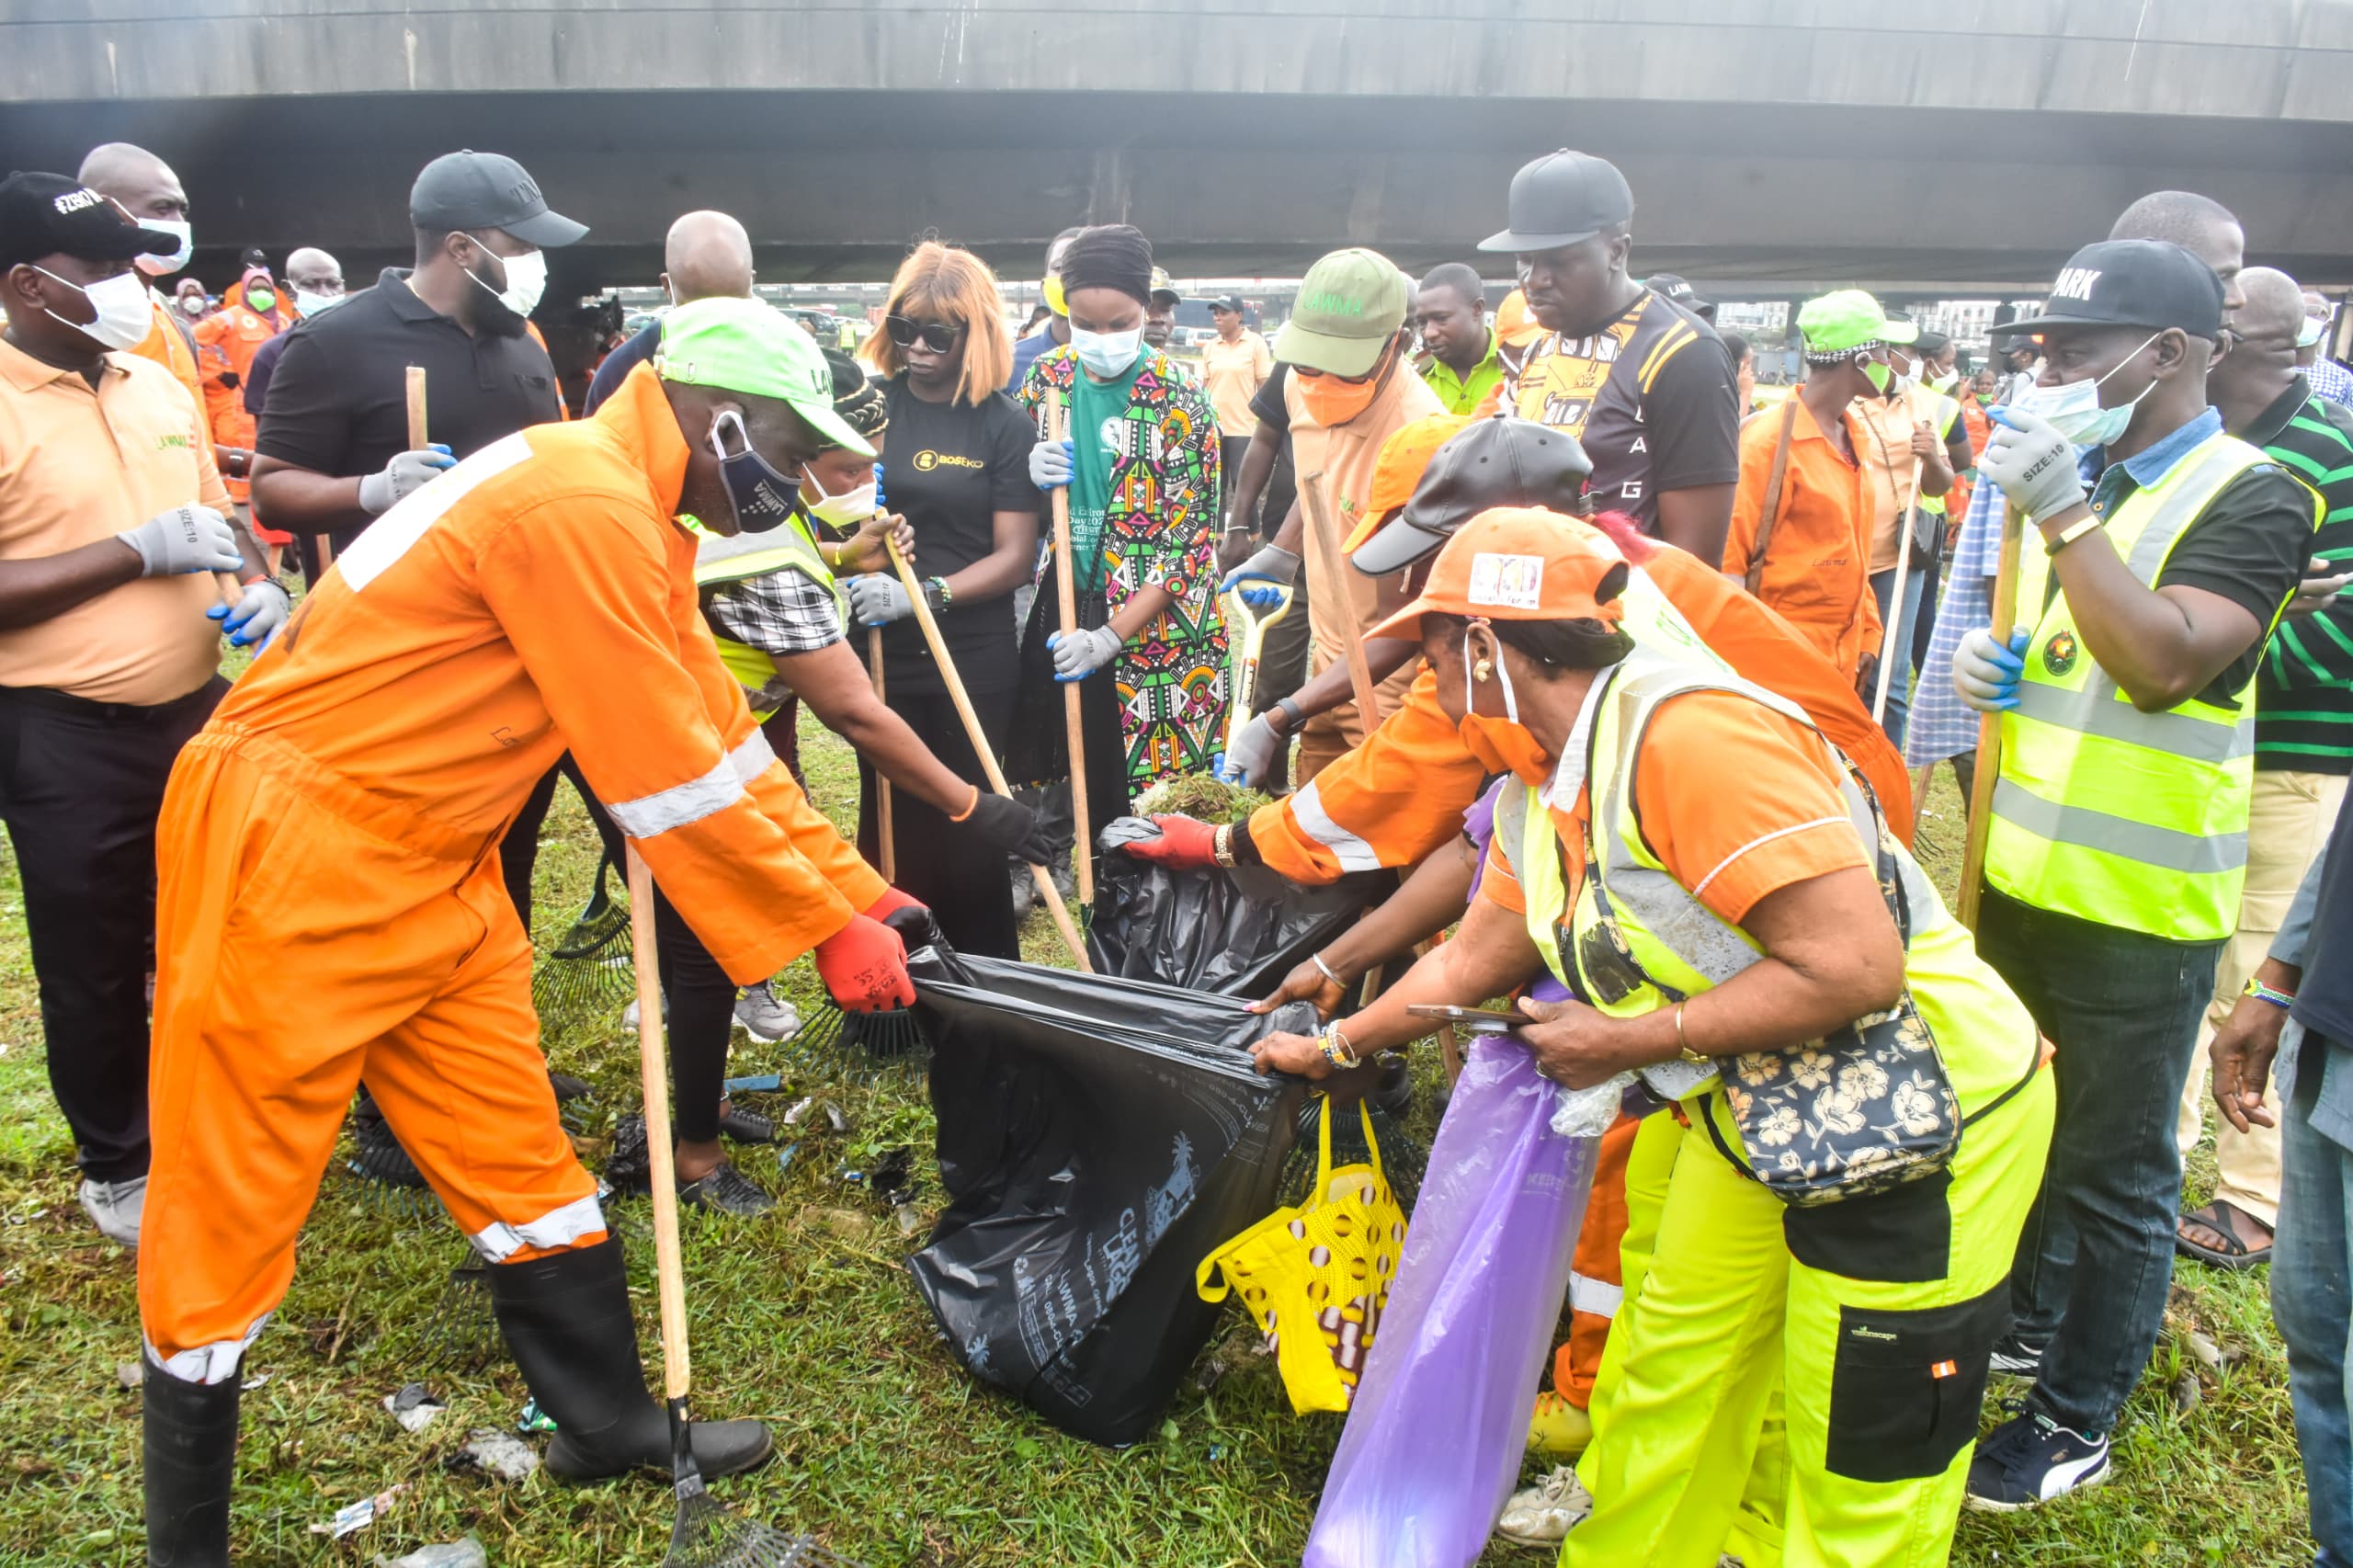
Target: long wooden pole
(882,835)
(653,1069)
(1067,595)
(980,747)
(1332,588)
(1895,599)
(1989,726)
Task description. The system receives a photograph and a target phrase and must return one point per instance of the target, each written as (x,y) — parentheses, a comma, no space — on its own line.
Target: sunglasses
(936,335)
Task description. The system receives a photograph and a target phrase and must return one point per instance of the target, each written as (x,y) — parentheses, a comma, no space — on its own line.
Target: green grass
(806,1319)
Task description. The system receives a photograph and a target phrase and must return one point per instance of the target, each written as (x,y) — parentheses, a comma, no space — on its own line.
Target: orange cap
(1399,468)
(1519,563)
(1514,325)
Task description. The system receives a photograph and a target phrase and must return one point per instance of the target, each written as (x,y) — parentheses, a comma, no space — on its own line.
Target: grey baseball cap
(487,190)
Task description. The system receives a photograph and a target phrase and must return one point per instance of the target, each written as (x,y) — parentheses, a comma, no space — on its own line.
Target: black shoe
(567,1319)
(566,1087)
(2031,1460)
(191,1455)
(740,1126)
(2014,1358)
(725,1190)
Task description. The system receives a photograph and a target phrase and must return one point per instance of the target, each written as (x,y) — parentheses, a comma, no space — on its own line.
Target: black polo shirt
(338,402)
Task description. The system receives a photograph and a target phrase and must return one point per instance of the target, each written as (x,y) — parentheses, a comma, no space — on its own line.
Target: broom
(706,1535)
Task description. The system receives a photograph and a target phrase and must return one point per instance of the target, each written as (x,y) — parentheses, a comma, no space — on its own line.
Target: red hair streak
(1626,534)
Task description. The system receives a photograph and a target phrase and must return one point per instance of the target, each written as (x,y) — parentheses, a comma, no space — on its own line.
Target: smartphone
(1475,1020)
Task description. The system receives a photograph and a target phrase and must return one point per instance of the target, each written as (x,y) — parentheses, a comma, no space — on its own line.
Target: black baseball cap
(43,214)
(487,190)
(1227,302)
(2150,283)
(1674,287)
(1501,460)
(1560,199)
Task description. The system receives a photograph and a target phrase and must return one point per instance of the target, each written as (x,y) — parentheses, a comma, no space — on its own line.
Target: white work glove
(402,477)
(1083,652)
(2033,463)
(260,611)
(1252,757)
(184,540)
(1050,463)
(1986,673)
(877,600)
(1272,566)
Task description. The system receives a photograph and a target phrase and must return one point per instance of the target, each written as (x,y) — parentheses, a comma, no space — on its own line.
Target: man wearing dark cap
(1643,382)
(113,524)
(2160,555)
(1160,314)
(335,449)
(1674,287)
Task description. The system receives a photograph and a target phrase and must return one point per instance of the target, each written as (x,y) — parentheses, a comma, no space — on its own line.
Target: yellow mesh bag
(1317,1277)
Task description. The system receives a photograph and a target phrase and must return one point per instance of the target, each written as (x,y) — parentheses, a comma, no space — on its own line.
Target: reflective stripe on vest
(725,559)
(2107,812)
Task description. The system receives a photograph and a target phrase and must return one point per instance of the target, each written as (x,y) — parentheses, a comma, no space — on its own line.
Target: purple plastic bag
(1438,1427)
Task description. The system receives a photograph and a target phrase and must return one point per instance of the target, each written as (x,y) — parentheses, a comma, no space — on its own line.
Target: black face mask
(763,498)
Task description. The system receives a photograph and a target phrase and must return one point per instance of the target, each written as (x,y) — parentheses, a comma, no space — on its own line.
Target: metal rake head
(463,1330)
(863,1047)
(586,971)
(708,1536)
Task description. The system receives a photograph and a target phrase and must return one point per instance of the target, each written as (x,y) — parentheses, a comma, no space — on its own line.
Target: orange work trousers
(309,931)
(1597,1277)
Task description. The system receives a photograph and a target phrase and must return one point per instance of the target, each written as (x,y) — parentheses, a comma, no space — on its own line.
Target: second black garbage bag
(1098,1138)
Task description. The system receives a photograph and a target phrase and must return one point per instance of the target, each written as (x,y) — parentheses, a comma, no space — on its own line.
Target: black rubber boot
(191,1454)
(567,1319)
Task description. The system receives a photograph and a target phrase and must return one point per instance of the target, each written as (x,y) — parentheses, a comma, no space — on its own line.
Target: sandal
(2218,1218)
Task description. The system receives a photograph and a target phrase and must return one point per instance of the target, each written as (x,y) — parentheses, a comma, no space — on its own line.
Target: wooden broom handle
(653,1068)
(1066,598)
(1989,728)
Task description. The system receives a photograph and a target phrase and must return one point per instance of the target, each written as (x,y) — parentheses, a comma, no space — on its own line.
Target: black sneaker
(740,1126)
(2031,1460)
(725,1190)
(2015,1359)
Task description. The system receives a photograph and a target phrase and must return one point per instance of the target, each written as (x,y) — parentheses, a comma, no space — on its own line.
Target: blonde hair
(941,282)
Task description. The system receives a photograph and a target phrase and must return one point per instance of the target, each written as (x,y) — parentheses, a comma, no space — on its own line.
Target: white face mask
(851,508)
(526,279)
(165,266)
(124,319)
(2074,408)
(1107,354)
(306,304)
(2306,335)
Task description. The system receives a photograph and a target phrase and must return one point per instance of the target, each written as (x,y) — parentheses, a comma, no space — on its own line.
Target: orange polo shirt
(79,465)
(1817,566)
(540,597)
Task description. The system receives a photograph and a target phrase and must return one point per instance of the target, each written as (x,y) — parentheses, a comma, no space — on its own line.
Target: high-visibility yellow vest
(787,548)
(2103,812)
(1943,413)
(1675,947)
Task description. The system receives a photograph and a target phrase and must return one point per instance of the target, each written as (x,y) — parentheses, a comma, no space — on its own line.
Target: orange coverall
(1818,553)
(1403,793)
(330,901)
(226,342)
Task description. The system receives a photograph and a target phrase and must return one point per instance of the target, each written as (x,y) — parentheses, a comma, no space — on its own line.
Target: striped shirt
(2304,715)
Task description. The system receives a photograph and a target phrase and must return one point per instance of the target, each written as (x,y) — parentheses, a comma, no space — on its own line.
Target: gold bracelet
(1682,1045)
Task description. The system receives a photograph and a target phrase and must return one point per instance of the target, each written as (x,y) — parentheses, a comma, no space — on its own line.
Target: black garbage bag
(1098,1137)
(1236,933)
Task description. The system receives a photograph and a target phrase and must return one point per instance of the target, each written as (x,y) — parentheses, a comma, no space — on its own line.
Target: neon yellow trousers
(1736,1303)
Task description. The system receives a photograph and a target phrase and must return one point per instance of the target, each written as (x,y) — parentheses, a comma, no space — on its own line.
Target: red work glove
(890,903)
(1184,845)
(864,966)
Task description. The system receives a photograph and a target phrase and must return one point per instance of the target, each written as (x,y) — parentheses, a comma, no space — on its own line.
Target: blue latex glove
(1051,463)
(261,610)
(1260,579)
(1986,673)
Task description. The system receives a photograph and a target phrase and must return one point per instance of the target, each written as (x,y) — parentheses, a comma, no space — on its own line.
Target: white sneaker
(1545,1512)
(630,1015)
(115,1208)
(765,1016)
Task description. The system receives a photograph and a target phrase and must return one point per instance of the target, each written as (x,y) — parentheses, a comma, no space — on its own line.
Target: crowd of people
(1635,675)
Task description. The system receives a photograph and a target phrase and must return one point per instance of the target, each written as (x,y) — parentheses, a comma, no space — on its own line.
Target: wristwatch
(936,592)
(1293,715)
(2052,545)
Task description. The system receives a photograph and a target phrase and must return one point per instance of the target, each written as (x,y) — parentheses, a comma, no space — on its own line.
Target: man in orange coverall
(1403,793)
(330,901)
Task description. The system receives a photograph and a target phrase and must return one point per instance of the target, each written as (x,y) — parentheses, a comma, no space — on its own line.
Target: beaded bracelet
(1335,1047)
(2283,1000)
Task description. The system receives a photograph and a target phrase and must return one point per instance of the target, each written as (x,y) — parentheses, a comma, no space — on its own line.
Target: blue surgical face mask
(762,497)
(1107,354)
(2074,408)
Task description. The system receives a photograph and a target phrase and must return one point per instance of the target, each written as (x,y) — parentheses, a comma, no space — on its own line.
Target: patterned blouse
(1159,530)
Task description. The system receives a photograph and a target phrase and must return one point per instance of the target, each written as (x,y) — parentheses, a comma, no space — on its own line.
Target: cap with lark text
(748,347)
(1560,199)
(2151,283)
(44,214)
(487,190)
(1500,460)
(1350,304)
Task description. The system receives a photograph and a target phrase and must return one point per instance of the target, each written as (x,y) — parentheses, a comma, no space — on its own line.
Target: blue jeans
(2312,1292)
(2096,1254)
(1899,684)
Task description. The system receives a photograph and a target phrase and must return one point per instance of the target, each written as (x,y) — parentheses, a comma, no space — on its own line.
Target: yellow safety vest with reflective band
(1983,1032)
(1942,412)
(2104,812)
(787,547)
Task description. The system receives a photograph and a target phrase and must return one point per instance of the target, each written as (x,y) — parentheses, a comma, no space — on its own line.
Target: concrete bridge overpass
(1966,145)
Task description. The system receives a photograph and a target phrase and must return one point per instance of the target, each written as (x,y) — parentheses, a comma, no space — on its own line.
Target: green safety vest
(787,548)
(2134,820)
(1674,943)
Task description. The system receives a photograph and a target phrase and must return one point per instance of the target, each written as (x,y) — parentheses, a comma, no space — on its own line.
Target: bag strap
(1372,1144)
(1771,514)
(1324,1151)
